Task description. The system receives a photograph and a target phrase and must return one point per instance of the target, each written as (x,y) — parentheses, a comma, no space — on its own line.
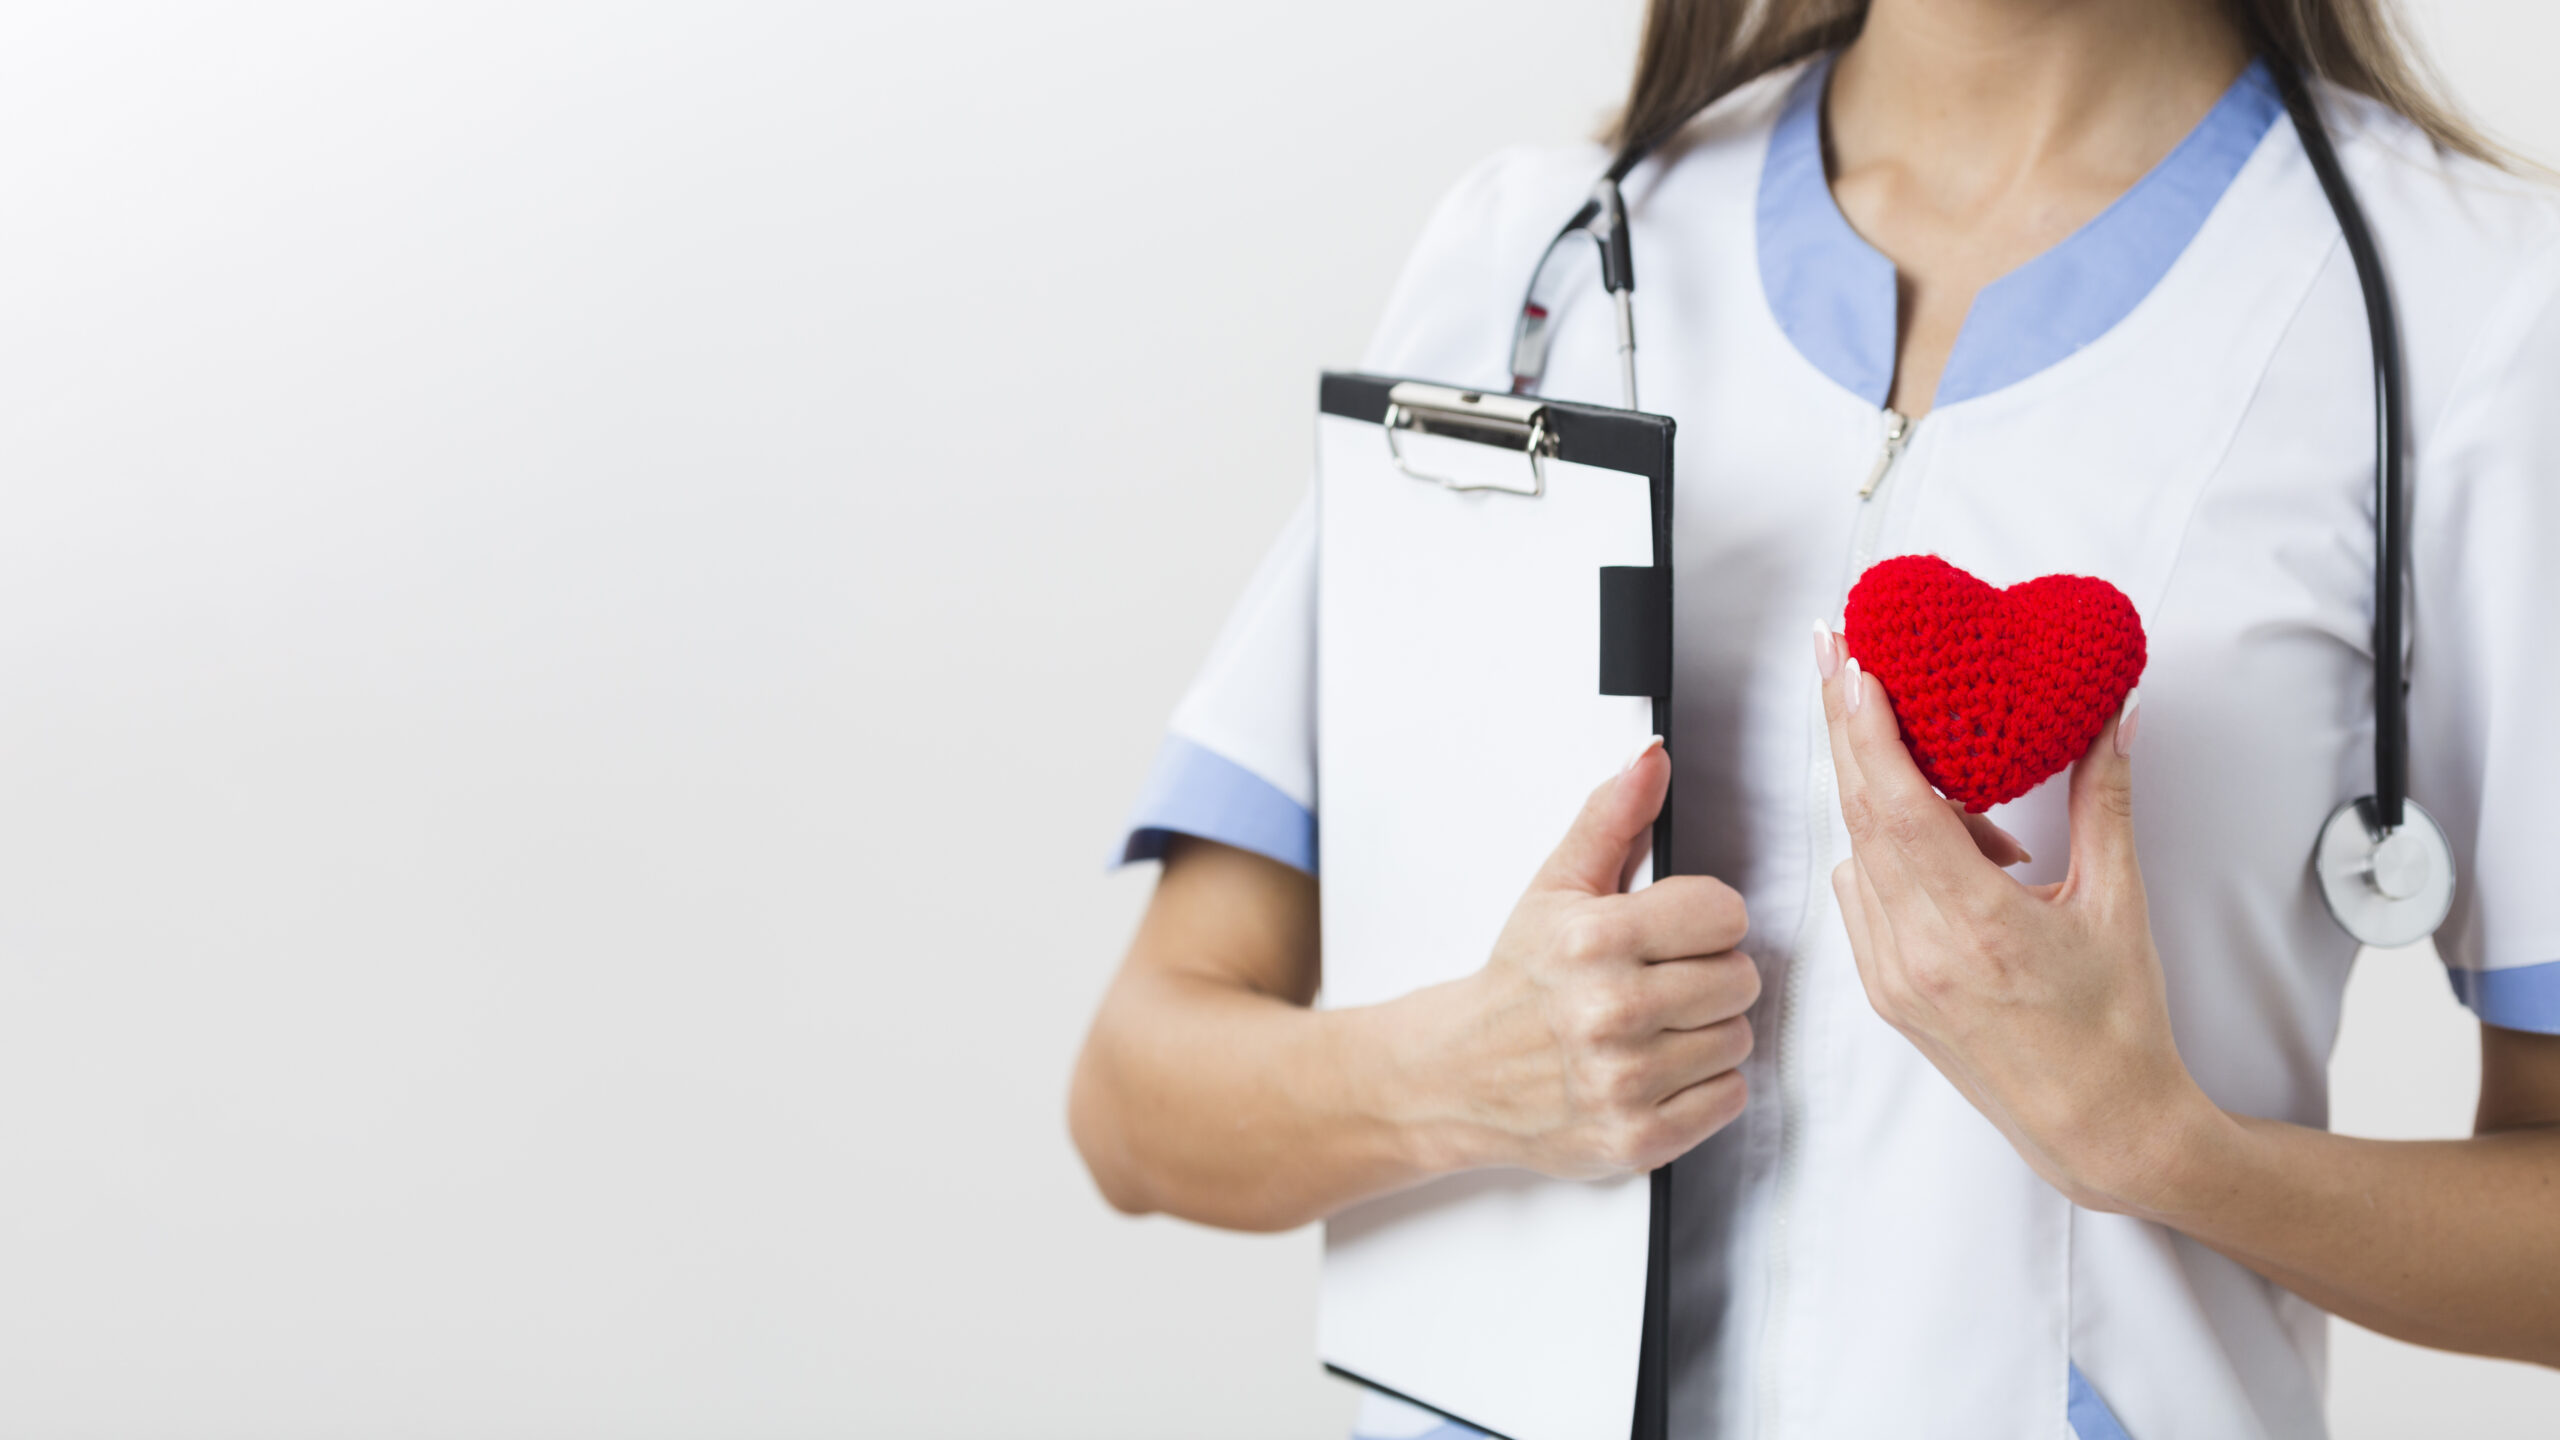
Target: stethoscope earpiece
(2384,888)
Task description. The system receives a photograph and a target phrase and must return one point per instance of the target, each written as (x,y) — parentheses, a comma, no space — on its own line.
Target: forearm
(1600,1038)
(1243,1110)
(2449,1243)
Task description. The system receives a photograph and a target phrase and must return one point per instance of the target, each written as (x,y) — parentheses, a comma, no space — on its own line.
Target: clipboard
(1493,638)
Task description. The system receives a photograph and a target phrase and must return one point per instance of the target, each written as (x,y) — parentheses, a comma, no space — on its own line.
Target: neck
(1991,92)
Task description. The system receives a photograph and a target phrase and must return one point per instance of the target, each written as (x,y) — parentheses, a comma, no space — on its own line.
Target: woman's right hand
(1602,1037)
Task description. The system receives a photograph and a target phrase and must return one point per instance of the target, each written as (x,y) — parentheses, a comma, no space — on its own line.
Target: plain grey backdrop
(582,588)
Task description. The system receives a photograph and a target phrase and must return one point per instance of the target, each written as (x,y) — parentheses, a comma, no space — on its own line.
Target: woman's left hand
(2043,1004)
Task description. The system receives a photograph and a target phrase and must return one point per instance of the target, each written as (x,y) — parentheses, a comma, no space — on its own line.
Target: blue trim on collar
(1835,295)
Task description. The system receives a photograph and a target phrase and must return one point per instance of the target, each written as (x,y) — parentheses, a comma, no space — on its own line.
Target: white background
(582,588)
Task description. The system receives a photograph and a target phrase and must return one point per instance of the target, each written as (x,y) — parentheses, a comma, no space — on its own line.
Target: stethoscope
(2384,865)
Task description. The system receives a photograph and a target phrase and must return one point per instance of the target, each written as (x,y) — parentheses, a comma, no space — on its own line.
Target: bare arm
(1208,1087)
(2449,1243)
(1600,1037)
(2046,1005)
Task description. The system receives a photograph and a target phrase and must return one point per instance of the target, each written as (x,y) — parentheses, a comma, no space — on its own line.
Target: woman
(2039,286)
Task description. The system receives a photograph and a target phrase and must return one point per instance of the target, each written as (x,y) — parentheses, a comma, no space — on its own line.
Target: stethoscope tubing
(2390,527)
(1604,218)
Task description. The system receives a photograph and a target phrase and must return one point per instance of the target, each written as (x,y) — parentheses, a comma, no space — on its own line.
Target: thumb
(2102,849)
(1593,855)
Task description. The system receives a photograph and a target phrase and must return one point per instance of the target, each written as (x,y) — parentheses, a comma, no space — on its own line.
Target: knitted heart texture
(1995,689)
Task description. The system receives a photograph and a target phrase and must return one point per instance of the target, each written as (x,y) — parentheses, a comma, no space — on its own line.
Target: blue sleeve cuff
(2524,997)
(1196,791)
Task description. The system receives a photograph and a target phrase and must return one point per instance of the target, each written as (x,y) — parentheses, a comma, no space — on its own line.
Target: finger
(1853,913)
(1861,927)
(1997,845)
(1849,777)
(1593,854)
(1863,915)
(1679,916)
(1880,969)
(1913,840)
(1637,854)
(1678,1059)
(2103,856)
(1837,682)
(1694,993)
(1703,1109)
(1880,935)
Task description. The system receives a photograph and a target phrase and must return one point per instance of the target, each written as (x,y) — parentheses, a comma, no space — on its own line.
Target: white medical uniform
(2177,399)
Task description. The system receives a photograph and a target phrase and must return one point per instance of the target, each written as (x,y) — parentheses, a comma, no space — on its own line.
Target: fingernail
(2128,721)
(1857,691)
(1826,651)
(1649,747)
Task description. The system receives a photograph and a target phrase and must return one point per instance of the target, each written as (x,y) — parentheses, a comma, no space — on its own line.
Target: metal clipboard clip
(1513,422)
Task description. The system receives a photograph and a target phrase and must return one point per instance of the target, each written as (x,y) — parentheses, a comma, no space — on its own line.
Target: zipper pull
(1897,433)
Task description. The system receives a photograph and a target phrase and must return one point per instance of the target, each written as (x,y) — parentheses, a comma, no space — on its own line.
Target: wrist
(1417,1047)
(2167,1161)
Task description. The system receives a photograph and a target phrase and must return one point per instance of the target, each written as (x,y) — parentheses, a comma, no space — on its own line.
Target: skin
(1601,1036)
(2046,1006)
(1966,137)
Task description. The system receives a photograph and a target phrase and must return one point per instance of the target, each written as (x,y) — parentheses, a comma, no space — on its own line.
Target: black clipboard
(1429,519)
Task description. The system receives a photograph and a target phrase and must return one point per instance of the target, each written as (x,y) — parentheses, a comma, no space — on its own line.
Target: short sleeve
(2485,659)
(1238,761)
(1450,315)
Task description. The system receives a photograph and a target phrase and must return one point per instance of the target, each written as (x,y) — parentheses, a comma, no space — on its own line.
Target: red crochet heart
(1995,689)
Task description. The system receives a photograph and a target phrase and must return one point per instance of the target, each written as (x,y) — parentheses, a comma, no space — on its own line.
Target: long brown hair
(1694,51)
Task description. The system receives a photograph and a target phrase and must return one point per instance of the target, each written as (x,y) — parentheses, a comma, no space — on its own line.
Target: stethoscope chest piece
(2385,889)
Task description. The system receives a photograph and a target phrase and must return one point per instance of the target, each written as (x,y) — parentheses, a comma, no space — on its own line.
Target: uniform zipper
(1897,434)
(1790,1017)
